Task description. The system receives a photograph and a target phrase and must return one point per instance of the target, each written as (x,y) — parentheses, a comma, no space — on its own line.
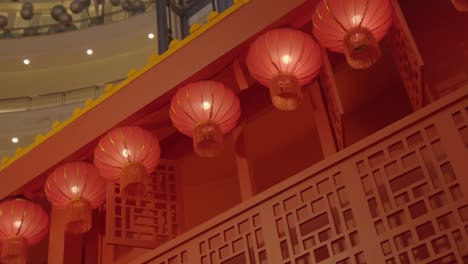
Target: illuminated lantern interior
(205,111)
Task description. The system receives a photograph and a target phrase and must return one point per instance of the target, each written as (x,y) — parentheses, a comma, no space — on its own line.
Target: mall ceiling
(59,62)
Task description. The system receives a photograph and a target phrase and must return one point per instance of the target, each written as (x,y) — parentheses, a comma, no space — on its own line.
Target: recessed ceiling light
(151,36)
(26,61)
(89,51)
(15,140)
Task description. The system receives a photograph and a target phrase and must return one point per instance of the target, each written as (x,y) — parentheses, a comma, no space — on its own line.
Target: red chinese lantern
(353,27)
(128,154)
(284,60)
(77,187)
(205,111)
(22,223)
(461,5)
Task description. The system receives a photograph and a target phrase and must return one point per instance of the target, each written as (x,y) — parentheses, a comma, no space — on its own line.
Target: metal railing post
(162,26)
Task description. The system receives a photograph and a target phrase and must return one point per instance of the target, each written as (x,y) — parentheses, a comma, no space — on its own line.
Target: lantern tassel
(361,48)
(285,92)
(15,250)
(79,216)
(132,180)
(207,140)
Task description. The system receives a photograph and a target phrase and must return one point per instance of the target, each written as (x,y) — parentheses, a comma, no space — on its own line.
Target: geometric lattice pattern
(316,224)
(460,119)
(407,57)
(147,222)
(401,198)
(418,207)
(332,99)
(240,242)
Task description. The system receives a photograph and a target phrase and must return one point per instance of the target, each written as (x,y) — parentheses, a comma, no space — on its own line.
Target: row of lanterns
(284,60)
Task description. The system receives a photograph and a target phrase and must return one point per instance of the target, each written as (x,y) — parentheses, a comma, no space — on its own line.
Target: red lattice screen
(407,57)
(460,119)
(417,204)
(148,222)
(401,197)
(332,98)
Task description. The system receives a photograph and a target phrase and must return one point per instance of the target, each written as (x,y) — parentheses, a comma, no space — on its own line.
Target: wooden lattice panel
(400,199)
(241,241)
(460,119)
(418,208)
(407,57)
(148,222)
(176,258)
(237,241)
(332,98)
(316,224)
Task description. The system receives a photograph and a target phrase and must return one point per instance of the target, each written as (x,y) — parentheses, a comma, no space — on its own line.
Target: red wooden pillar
(322,119)
(244,171)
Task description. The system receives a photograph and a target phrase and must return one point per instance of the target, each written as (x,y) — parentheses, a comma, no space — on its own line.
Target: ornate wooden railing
(148,222)
(399,196)
(38,27)
(170,11)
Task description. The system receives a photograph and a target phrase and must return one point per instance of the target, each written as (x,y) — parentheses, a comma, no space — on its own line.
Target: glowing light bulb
(15,140)
(356,19)
(125,153)
(286,59)
(26,62)
(89,52)
(206,105)
(17,223)
(75,189)
(151,36)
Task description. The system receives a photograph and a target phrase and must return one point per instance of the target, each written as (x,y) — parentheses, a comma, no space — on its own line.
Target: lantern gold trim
(361,48)
(207,139)
(285,92)
(15,250)
(132,180)
(79,216)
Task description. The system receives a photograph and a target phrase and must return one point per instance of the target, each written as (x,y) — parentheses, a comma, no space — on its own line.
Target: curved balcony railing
(53,99)
(36,29)
(174,19)
(167,12)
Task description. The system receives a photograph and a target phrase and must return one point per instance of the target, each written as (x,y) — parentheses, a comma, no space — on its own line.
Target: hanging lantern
(205,111)
(460,5)
(128,154)
(77,187)
(22,223)
(353,27)
(284,60)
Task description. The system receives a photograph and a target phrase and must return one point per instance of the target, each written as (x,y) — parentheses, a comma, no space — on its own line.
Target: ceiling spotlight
(151,36)
(26,61)
(89,51)
(15,140)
